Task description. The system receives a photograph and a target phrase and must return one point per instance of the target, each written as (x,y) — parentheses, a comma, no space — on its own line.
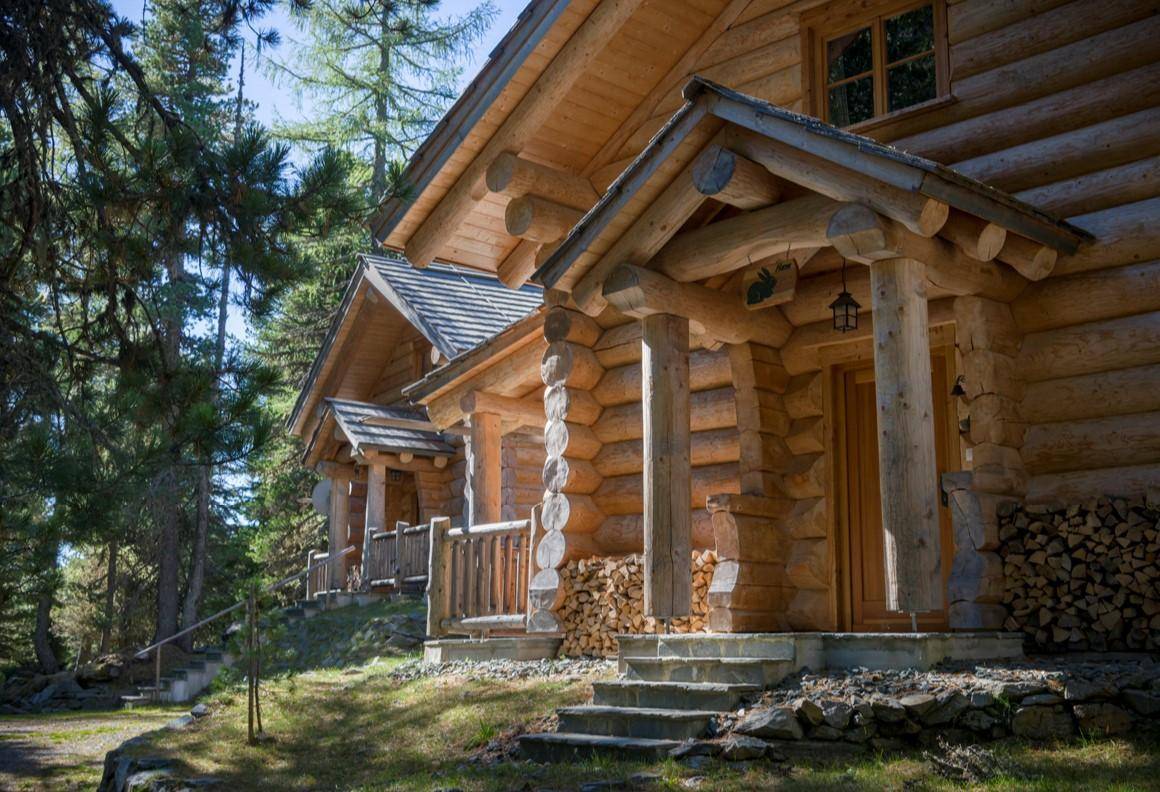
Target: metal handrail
(156,647)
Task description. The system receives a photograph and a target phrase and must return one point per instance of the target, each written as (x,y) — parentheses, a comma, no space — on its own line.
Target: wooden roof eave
(809,135)
(504,61)
(351,298)
(481,357)
(322,442)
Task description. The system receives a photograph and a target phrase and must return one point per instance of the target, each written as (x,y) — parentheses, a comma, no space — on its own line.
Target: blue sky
(276,102)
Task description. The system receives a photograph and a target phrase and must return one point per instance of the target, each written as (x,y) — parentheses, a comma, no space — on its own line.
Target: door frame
(942,345)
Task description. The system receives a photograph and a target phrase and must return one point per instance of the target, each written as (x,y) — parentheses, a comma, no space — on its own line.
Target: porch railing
(397,558)
(478,578)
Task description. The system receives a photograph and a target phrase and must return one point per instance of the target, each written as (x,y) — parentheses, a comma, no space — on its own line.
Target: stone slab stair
(185,683)
(672,689)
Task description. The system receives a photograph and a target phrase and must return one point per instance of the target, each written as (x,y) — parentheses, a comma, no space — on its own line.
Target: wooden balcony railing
(318,572)
(478,579)
(397,558)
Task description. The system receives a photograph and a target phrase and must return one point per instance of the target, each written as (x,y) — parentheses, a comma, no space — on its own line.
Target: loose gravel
(570,669)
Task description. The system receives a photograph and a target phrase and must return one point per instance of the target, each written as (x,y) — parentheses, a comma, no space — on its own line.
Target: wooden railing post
(438,576)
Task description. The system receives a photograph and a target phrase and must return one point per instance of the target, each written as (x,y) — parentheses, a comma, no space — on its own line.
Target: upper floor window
(880,64)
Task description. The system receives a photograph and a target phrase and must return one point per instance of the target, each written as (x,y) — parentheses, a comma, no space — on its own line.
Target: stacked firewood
(604,597)
(1084,577)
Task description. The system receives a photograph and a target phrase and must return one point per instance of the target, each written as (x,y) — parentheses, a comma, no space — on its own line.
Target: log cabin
(849,292)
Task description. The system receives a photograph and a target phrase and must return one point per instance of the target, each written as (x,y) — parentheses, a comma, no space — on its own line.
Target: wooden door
(858,460)
(402,498)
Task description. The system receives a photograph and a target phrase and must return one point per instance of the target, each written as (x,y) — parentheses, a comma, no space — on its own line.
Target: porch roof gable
(855,153)
(452,309)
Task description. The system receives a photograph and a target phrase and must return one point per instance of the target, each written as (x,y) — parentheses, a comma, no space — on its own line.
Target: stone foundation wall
(1084,577)
(1054,698)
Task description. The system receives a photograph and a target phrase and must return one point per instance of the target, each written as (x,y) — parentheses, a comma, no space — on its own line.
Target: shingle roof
(454,308)
(366,427)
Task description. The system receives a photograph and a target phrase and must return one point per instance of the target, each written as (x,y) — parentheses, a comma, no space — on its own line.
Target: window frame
(840,19)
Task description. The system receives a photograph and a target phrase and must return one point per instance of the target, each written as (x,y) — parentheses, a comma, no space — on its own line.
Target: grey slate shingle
(355,420)
(455,308)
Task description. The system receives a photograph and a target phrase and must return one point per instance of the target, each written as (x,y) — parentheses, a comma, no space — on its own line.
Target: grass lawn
(357,729)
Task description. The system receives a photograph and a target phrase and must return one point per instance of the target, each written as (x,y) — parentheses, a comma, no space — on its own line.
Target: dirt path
(67,751)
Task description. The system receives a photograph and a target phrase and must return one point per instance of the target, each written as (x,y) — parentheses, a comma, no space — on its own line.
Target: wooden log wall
(405,365)
(570,515)
(617,434)
(522,459)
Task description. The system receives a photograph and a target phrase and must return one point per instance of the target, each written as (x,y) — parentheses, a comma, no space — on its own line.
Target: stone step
(213,655)
(669,695)
(721,670)
(765,646)
(642,722)
(564,747)
(294,614)
(195,665)
(136,700)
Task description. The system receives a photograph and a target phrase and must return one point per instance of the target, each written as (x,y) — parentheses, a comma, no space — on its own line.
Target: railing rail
(478,578)
(396,558)
(321,561)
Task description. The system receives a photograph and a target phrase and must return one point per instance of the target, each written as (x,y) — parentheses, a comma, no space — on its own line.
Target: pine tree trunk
(379,169)
(41,639)
(110,598)
(167,496)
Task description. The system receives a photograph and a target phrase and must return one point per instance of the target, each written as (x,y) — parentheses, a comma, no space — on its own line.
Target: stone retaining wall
(843,712)
(1082,577)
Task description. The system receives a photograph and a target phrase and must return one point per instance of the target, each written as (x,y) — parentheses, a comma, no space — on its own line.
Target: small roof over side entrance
(374,428)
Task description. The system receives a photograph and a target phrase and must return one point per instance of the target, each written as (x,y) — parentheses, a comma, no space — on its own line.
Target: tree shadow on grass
(369,737)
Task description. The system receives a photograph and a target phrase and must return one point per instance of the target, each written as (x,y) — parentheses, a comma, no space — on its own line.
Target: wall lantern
(845,308)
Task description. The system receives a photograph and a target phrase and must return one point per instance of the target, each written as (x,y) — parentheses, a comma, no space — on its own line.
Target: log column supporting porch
(906,451)
(339,522)
(668,574)
(484,468)
(376,514)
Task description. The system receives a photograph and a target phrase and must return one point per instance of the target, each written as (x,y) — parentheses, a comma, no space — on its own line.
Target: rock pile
(604,597)
(1083,577)
(60,692)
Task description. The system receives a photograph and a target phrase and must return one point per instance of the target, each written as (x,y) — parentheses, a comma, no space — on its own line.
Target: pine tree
(124,186)
(377,75)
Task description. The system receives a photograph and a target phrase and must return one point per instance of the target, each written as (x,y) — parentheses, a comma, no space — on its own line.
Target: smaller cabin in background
(387,470)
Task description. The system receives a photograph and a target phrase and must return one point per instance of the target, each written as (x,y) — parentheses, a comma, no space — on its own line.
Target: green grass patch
(358,729)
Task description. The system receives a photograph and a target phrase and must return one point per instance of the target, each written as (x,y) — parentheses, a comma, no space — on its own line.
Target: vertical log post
(339,528)
(438,576)
(485,469)
(376,517)
(908,479)
(668,574)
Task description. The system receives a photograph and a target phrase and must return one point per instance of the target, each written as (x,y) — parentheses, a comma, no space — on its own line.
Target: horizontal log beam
(727,245)
(979,239)
(639,292)
(861,234)
(921,215)
(520,412)
(511,175)
(728,177)
(519,265)
(539,219)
